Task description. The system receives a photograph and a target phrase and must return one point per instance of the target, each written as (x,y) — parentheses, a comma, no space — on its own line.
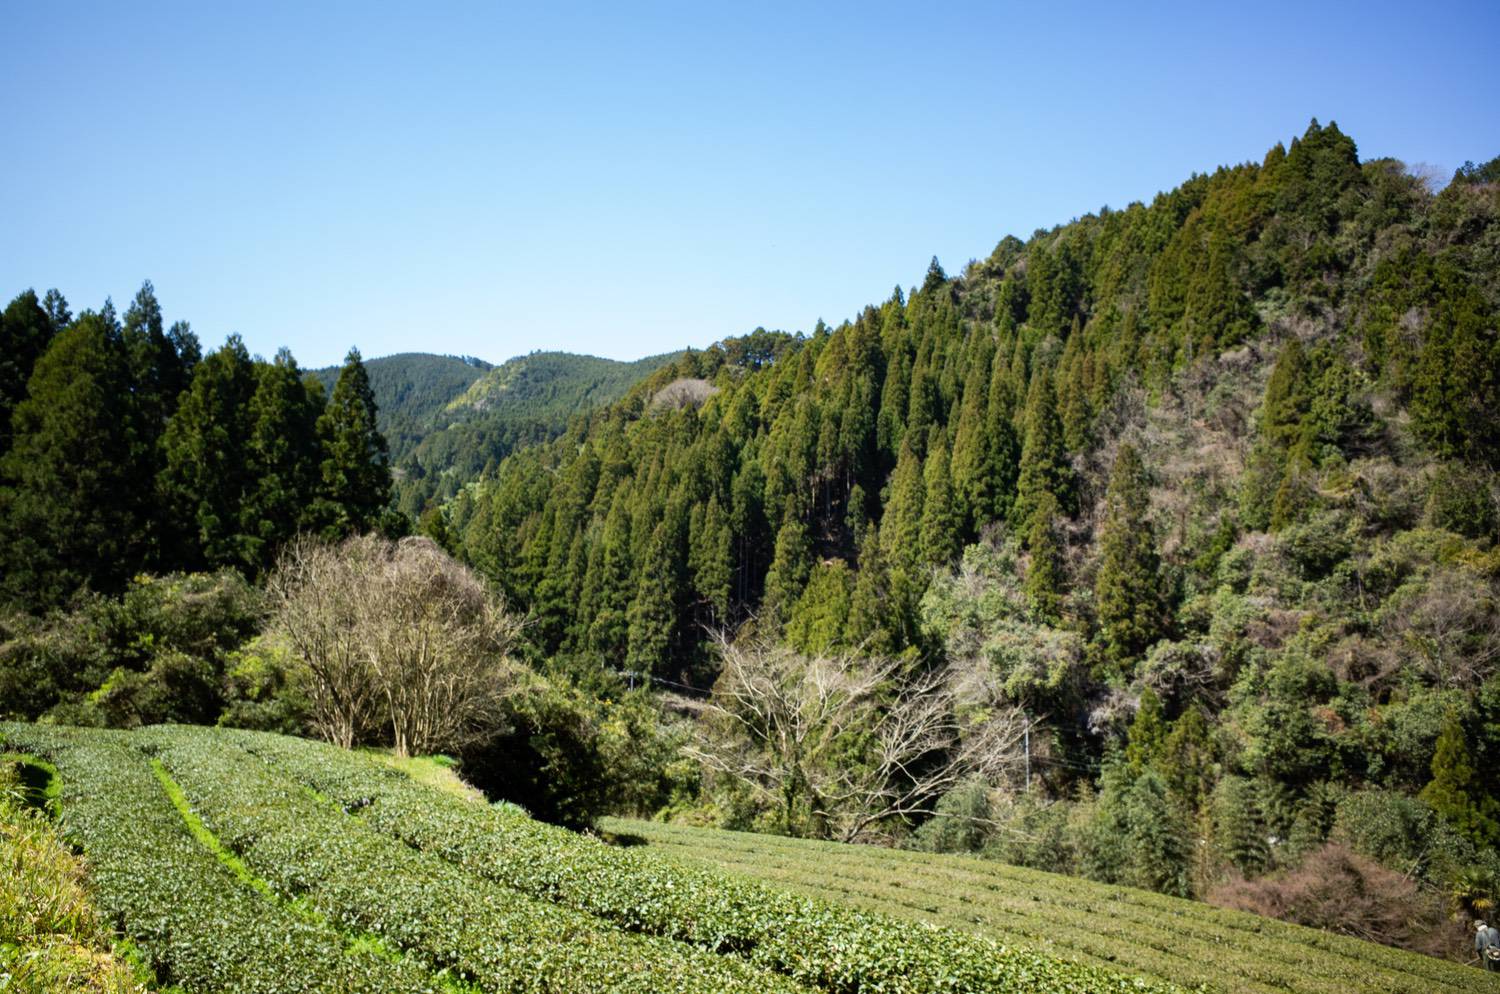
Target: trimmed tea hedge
(493,936)
(197,925)
(836,948)
(1183,941)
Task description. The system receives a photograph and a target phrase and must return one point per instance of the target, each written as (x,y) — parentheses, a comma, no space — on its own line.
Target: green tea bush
(197,925)
(368,882)
(830,946)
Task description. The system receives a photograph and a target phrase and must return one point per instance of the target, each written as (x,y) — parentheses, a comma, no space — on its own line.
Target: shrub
(1341,891)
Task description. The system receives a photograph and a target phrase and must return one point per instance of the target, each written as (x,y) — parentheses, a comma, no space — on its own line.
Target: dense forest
(1205,488)
(1160,547)
(443,436)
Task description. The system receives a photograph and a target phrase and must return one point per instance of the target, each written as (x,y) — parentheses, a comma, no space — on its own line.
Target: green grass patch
(37,781)
(439,772)
(207,838)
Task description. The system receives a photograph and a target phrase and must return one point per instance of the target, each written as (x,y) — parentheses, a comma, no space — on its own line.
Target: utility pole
(1026,737)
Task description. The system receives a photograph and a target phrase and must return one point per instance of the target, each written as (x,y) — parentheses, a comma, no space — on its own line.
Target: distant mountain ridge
(448,417)
(412,386)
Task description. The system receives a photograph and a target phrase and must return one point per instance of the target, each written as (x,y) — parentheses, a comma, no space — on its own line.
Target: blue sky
(493,179)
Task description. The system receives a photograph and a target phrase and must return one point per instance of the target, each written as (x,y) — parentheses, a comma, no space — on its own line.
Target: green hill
(446,418)
(1134,930)
(244,861)
(411,386)
(525,400)
(1201,492)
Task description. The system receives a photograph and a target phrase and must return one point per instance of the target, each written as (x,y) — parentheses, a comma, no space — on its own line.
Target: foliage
(1189,943)
(816,943)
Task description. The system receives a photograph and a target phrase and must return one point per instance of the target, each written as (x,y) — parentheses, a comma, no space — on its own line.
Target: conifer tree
(25,332)
(941,538)
(356,461)
(609,593)
(1148,733)
(1238,825)
(709,557)
(1044,466)
(1003,442)
(901,528)
(1128,587)
(1457,791)
(208,472)
(973,464)
(868,623)
(56,306)
(1044,572)
(791,564)
(72,517)
(285,461)
(653,614)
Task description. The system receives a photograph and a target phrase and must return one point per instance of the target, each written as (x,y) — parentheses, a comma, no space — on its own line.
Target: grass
(439,772)
(51,936)
(1157,936)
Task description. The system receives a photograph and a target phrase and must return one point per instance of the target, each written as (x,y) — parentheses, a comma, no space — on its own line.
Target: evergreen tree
(1128,588)
(653,613)
(869,623)
(1044,570)
(710,557)
(974,471)
(25,332)
(1457,791)
(791,566)
(1148,733)
(56,306)
(72,517)
(208,473)
(901,528)
(608,592)
(285,462)
(1239,826)
(356,461)
(1044,466)
(941,537)
(1004,444)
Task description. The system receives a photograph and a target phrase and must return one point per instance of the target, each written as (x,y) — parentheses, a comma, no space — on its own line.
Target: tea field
(1147,934)
(244,862)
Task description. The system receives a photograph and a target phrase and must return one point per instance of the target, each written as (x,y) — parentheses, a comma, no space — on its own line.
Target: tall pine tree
(1128,589)
(356,460)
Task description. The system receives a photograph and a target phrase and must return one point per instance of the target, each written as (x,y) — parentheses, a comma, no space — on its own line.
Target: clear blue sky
(500,178)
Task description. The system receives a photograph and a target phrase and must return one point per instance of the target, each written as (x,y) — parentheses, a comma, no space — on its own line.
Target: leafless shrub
(395,636)
(683,392)
(840,745)
(1338,890)
(1449,624)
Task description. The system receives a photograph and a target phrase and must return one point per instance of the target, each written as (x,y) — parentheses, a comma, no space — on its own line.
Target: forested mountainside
(1205,488)
(409,389)
(525,400)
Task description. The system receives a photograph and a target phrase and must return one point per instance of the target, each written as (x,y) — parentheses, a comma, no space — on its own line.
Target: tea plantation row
(818,943)
(493,936)
(1184,941)
(197,924)
(241,862)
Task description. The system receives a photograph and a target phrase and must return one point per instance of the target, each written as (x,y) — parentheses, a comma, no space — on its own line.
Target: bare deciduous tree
(394,634)
(840,746)
(317,615)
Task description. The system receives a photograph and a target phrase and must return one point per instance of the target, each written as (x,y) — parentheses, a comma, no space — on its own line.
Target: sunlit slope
(240,861)
(1140,931)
